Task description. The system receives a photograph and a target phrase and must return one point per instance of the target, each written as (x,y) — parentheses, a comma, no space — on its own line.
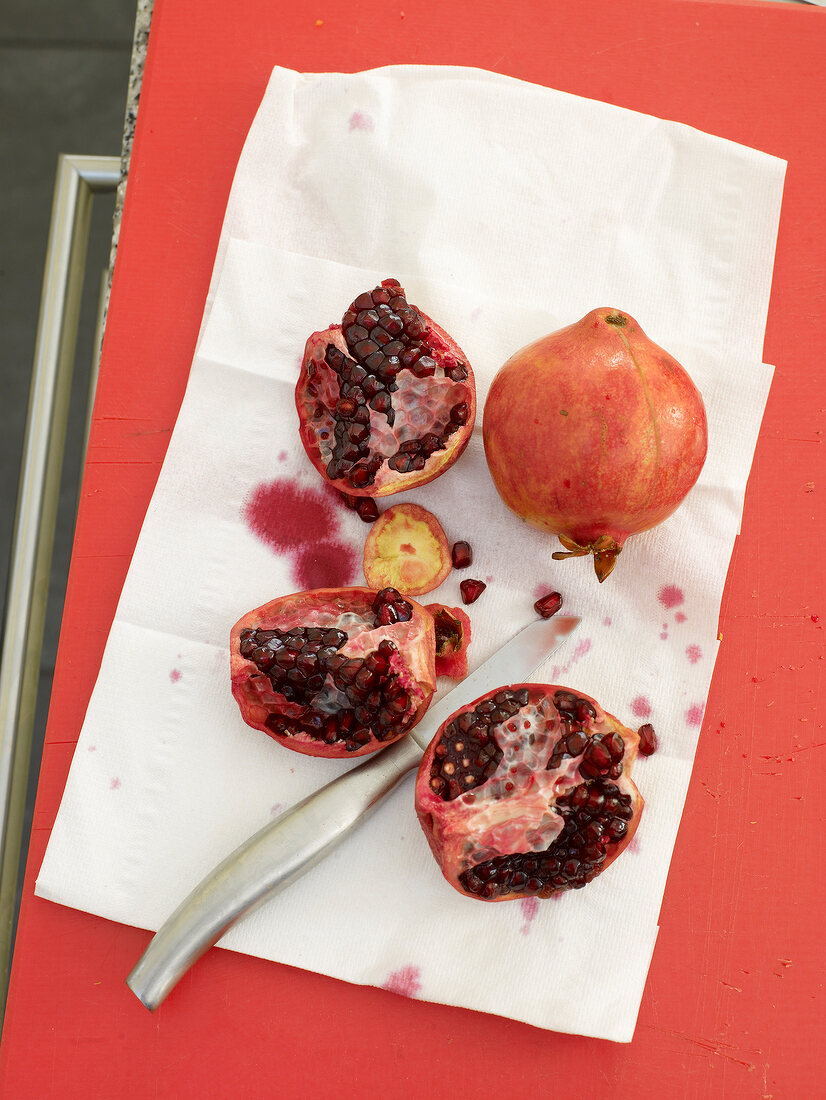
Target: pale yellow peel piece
(406,549)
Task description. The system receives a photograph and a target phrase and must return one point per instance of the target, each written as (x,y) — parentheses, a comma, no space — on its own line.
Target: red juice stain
(288,516)
(641,707)
(670,595)
(302,522)
(175,675)
(694,653)
(114,783)
(325,565)
(406,981)
(529,907)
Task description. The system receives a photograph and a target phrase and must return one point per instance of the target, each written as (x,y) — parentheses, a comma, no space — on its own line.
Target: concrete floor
(64,72)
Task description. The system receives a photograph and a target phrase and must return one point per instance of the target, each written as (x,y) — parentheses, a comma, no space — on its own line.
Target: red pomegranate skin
(531,799)
(413,665)
(594,432)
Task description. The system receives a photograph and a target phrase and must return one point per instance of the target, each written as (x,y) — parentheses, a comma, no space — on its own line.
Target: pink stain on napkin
(301,523)
(358,120)
(670,596)
(406,981)
(529,907)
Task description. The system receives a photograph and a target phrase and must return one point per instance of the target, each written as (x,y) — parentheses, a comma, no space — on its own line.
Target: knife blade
(296,840)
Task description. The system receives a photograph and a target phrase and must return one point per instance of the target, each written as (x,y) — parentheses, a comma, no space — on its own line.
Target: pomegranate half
(335,671)
(594,433)
(386,400)
(527,792)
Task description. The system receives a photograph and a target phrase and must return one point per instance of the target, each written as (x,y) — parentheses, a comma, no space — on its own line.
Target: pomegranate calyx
(605,549)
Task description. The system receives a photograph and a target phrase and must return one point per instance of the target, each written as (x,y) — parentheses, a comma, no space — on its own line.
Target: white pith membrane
(513,811)
(421,405)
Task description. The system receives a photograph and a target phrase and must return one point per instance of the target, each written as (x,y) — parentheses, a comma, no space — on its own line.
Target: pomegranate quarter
(335,671)
(528,792)
(386,400)
(594,433)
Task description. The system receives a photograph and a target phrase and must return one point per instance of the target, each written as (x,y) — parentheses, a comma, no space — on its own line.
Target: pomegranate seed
(461,555)
(471,590)
(649,742)
(548,605)
(367,509)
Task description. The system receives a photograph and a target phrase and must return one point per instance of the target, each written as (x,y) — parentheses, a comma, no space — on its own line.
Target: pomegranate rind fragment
(407,549)
(526,792)
(447,391)
(349,609)
(452,639)
(594,433)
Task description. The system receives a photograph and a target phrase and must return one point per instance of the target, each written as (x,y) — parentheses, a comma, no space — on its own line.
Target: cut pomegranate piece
(335,671)
(452,639)
(471,590)
(386,400)
(406,548)
(527,792)
(548,606)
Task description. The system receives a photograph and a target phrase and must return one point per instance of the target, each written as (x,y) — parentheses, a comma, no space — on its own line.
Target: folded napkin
(506,210)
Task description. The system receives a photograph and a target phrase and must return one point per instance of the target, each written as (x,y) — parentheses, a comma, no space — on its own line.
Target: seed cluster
(385,335)
(596,817)
(467,754)
(602,753)
(304,663)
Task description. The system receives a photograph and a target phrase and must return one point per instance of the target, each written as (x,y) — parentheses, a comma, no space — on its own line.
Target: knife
(297,839)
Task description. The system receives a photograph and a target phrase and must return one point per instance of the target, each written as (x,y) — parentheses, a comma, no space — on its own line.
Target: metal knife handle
(270,860)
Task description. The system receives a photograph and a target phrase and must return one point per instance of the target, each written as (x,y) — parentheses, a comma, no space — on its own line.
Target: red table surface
(735,1000)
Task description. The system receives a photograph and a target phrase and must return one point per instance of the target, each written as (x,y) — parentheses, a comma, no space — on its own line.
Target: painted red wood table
(735,994)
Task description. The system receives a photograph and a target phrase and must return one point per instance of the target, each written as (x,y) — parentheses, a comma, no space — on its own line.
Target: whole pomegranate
(527,792)
(594,433)
(335,671)
(386,400)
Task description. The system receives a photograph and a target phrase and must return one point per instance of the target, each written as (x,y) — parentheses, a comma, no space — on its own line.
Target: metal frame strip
(79,178)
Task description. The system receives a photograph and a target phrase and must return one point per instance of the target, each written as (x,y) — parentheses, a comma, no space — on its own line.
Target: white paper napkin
(506,210)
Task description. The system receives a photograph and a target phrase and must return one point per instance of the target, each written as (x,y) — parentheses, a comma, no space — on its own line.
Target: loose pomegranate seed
(548,605)
(367,509)
(649,743)
(461,555)
(471,590)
